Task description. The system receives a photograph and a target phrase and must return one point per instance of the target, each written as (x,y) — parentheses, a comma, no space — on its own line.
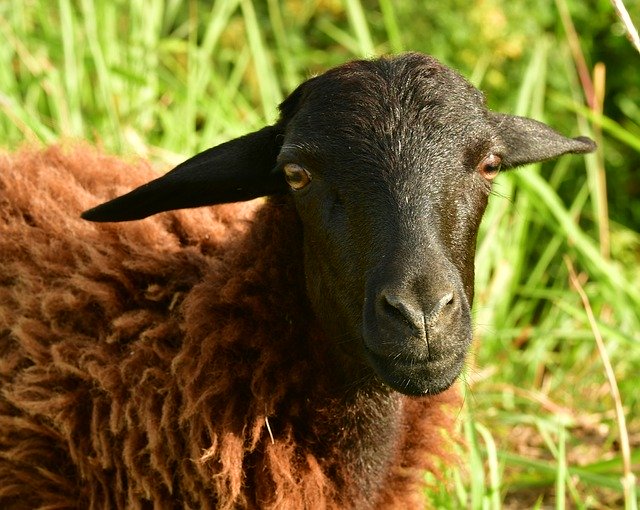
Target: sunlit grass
(163,79)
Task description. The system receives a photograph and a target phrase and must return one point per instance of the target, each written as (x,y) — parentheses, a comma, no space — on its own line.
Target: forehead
(386,107)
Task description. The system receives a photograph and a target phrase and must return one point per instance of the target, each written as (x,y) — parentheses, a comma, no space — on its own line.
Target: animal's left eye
(489,167)
(296,176)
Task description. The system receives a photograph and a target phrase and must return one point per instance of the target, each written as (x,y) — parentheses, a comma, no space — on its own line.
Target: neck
(275,374)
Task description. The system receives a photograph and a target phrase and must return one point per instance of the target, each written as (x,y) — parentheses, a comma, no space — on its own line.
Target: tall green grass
(163,79)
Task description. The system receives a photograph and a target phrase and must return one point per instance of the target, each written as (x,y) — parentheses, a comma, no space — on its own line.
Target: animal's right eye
(296,176)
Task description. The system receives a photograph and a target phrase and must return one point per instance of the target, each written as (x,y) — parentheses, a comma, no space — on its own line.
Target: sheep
(294,352)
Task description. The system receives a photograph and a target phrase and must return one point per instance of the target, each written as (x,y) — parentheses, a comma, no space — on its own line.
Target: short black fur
(391,213)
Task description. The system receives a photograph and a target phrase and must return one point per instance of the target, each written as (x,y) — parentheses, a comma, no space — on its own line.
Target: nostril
(445,301)
(390,307)
(396,309)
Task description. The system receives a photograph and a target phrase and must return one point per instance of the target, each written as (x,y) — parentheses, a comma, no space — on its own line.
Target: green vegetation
(164,78)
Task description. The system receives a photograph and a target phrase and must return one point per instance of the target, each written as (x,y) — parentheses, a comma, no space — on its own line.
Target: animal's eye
(489,167)
(296,176)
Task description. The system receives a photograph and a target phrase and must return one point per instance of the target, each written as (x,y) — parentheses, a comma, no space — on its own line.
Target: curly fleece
(174,362)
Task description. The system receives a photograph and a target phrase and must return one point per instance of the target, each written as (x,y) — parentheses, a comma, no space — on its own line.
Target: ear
(237,170)
(241,169)
(528,141)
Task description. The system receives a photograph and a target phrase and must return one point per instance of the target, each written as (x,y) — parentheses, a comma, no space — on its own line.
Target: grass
(163,79)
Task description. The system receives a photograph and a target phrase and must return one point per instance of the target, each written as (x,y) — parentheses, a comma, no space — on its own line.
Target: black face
(389,162)
(391,182)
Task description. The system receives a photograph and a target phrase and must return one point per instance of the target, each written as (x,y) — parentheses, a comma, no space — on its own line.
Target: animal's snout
(395,306)
(416,328)
(414,323)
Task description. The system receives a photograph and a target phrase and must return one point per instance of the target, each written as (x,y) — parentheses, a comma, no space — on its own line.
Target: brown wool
(149,362)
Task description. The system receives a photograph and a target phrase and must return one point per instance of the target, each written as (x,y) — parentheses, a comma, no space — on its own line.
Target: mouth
(416,377)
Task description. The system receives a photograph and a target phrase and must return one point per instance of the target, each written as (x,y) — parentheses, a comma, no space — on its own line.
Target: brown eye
(296,176)
(489,167)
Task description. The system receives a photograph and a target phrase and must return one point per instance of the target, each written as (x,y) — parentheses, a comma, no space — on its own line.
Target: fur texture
(174,362)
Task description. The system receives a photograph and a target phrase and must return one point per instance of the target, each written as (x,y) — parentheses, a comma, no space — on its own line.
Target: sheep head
(389,163)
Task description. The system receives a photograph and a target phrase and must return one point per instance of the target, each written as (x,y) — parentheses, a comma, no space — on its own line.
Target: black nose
(396,308)
(415,323)
(416,327)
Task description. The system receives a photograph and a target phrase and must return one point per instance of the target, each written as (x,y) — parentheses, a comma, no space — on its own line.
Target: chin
(415,377)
